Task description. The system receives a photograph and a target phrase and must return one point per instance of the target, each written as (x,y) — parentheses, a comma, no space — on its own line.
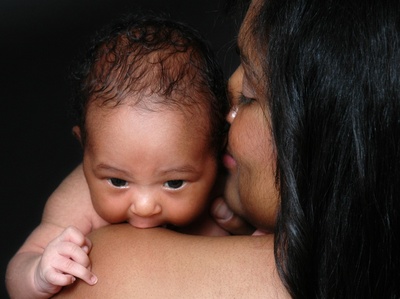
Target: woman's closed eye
(243,100)
(119,183)
(174,184)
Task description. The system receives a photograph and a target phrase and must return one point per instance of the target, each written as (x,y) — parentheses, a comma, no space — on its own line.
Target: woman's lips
(229,161)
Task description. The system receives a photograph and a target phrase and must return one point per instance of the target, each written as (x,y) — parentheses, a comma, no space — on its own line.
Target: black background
(38,41)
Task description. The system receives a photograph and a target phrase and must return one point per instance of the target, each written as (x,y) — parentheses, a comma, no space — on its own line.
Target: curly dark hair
(145,54)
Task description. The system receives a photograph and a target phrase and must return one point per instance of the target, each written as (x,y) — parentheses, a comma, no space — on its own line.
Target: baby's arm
(56,251)
(39,271)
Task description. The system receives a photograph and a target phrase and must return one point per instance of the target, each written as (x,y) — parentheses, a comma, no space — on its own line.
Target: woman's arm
(158,263)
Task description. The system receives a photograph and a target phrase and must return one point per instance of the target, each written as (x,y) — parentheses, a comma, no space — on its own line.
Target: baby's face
(148,168)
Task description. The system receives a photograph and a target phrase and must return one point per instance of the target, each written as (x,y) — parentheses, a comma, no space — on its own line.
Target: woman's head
(251,189)
(328,72)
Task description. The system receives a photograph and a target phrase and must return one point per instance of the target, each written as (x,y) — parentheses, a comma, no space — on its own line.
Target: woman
(313,156)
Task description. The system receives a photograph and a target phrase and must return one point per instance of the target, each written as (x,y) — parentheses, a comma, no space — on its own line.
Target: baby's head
(151,111)
(145,55)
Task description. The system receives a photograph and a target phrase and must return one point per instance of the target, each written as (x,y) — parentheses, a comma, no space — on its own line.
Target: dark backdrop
(38,41)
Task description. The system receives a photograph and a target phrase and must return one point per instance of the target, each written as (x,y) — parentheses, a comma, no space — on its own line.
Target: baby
(151,105)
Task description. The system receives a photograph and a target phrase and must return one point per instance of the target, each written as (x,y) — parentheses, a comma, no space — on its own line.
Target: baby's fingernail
(222,212)
(73,279)
(93,279)
(85,249)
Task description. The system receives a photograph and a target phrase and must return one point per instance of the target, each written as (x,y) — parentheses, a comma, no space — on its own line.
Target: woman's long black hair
(334,96)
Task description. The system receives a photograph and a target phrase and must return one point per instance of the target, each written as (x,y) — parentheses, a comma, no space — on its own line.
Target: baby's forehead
(195,110)
(192,112)
(192,124)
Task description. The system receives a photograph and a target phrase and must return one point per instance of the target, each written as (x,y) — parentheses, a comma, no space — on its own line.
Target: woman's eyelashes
(243,100)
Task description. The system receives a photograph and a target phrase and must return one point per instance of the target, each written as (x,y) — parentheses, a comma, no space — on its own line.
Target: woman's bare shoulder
(158,263)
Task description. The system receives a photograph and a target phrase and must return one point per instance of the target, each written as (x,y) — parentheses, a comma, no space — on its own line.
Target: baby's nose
(145,206)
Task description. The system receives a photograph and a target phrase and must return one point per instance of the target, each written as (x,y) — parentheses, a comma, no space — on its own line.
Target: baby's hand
(228,220)
(63,260)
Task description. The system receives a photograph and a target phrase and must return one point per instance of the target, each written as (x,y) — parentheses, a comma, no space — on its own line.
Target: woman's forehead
(246,42)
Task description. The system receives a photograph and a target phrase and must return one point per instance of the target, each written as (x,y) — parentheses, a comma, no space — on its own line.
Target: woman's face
(251,190)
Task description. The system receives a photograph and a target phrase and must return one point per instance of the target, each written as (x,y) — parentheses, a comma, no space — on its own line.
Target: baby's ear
(76,131)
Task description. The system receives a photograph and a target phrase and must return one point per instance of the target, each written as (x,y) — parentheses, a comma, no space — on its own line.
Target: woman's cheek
(231,194)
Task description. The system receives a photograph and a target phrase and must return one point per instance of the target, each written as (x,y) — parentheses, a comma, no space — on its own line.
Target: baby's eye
(118,182)
(174,184)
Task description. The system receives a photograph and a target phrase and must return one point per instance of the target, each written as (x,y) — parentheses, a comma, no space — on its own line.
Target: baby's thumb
(228,220)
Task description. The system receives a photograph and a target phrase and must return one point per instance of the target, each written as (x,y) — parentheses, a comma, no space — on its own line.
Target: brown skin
(146,149)
(158,263)
(250,190)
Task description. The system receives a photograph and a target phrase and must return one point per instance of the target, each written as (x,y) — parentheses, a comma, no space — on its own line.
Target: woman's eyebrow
(244,59)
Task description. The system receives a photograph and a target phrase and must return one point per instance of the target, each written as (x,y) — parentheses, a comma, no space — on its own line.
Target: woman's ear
(76,131)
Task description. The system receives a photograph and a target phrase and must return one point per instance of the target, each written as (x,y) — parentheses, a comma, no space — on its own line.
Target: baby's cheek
(188,212)
(105,209)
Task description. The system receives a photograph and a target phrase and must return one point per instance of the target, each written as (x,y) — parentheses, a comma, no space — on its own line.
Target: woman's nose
(145,205)
(232,114)
(235,90)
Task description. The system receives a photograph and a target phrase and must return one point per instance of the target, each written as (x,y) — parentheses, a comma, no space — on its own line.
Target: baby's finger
(74,253)
(57,279)
(74,235)
(68,266)
(229,221)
